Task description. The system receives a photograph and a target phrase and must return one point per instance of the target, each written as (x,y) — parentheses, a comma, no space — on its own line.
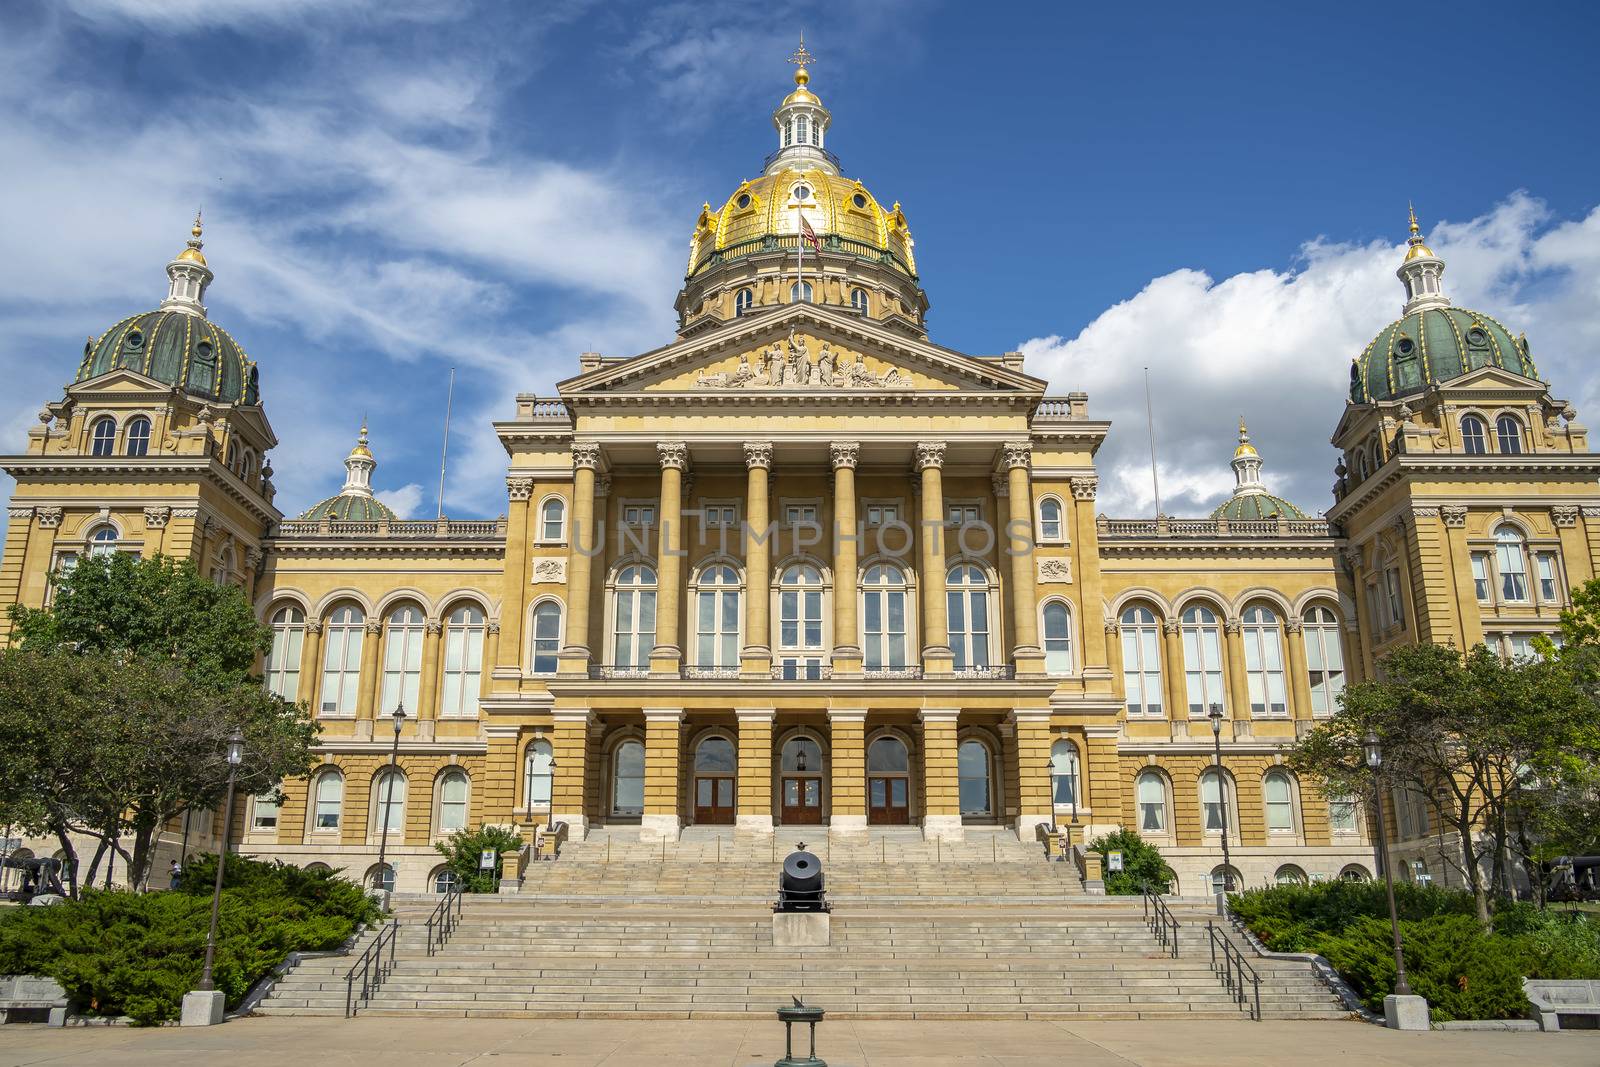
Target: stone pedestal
(201,1007)
(799,929)
(943,827)
(1405,1013)
(657,827)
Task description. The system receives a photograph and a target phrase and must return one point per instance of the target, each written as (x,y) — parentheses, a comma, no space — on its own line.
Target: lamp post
(1374,753)
(550,804)
(1222,796)
(235,757)
(399,718)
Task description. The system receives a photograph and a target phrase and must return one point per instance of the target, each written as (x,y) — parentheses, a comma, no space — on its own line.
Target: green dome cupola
(1432,341)
(354,502)
(1250,500)
(176,343)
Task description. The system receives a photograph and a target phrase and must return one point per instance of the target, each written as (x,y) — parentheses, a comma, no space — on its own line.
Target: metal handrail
(445,918)
(1161,921)
(373,969)
(1234,972)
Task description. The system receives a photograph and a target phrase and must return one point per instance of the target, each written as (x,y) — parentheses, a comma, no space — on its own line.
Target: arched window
(1474,435)
(1141,662)
(444,879)
(1226,879)
(742,301)
(380,877)
(1324,660)
(973,778)
(1050,526)
(627,779)
(1202,660)
(136,441)
(800,132)
(1289,874)
(1064,773)
(452,801)
(1263,661)
(463,661)
(717,618)
(1511,560)
(1277,792)
(553,520)
(547,637)
(328,796)
(800,293)
(1151,790)
(103,436)
(1354,872)
(634,617)
(341,660)
(802,755)
(1508,435)
(539,770)
(1056,634)
(858,300)
(883,616)
(388,802)
(283,661)
(402,659)
(967,611)
(1217,808)
(222,568)
(800,621)
(888,782)
(103,542)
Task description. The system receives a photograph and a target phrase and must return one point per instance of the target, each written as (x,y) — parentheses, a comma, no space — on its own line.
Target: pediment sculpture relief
(791,365)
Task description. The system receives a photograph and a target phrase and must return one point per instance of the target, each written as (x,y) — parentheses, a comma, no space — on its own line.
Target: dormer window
(742,301)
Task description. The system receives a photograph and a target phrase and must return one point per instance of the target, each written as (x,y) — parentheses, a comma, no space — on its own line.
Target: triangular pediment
(801,349)
(1491,378)
(120,380)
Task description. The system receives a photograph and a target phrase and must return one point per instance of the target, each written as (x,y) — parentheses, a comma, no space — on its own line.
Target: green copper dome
(179,348)
(1434,344)
(1247,506)
(349,507)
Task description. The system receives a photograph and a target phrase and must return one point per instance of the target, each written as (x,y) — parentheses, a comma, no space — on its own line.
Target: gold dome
(192,253)
(1417,249)
(1245,447)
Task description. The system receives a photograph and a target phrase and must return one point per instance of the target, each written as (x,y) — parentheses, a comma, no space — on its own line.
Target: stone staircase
(1002,935)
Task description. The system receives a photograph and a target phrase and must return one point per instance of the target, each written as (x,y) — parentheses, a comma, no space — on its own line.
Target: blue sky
(392,188)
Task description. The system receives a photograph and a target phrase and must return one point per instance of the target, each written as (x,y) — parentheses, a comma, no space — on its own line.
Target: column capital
(674,455)
(374,627)
(313,626)
(1015,454)
(1170,626)
(1293,626)
(663,714)
(929,454)
(156,517)
(755,714)
(845,454)
(939,714)
(1233,624)
(49,517)
(1001,485)
(519,488)
(1085,488)
(434,627)
(1564,515)
(758,454)
(586,454)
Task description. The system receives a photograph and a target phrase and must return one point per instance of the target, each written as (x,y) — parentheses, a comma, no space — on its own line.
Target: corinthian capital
(845,454)
(758,454)
(585,454)
(49,518)
(674,455)
(1014,454)
(1085,488)
(156,517)
(929,454)
(519,488)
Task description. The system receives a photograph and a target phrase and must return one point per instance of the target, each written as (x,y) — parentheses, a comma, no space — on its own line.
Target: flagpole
(444,451)
(800,261)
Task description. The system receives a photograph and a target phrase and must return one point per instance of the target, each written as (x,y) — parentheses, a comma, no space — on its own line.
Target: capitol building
(804,566)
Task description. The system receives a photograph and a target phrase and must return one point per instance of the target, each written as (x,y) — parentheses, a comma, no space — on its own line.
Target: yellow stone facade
(804,566)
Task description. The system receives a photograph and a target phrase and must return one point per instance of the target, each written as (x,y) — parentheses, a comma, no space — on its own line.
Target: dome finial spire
(802,59)
(188,276)
(1421,270)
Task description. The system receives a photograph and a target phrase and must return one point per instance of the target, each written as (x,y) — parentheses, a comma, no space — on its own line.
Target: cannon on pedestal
(800,883)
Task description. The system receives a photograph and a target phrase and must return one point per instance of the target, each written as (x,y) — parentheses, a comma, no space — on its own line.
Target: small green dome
(179,348)
(350,507)
(1434,344)
(1247,506)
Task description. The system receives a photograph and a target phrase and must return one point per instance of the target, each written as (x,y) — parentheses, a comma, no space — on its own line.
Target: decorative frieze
(1054,570)
(19,514)
(845,454)
(519,489)
(792,365)
(929,454)
(549,569)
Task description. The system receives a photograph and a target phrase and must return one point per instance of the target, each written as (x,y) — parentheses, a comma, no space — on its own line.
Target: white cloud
(403,501)
(1275,346)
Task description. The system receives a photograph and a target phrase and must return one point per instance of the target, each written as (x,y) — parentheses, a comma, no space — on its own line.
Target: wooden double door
(713,800)
(888,800)
(800,800)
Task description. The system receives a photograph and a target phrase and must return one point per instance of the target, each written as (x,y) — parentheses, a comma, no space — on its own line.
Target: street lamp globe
(399,717)
(235,749)
(1215,716)
(1374,749)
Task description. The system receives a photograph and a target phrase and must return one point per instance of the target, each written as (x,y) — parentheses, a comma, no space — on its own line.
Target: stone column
(1086,543)
(1026,655)
(586,544)
(569,745)
(755,658)
(428,684)
(941,786)
(846,560)
(755,768)
(514,593)
(1238,687)
(1177,694)
(1468,612)
(495,796)
(368,681)
(311,667)
(1033,742)
(847,770)
(155,530)
(1299,674)
(1574,552)
(661,759)
(936,655)
(666,656)
(491,654)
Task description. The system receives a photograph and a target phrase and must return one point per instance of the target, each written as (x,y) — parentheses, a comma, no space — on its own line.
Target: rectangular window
(1521,647)
(638,516)
(264,815)
(1547,577)
(463,668)
(963,514)
(1342,815)
(283,662)
(1480,576)
(882,514)
(718,516)
(800,514)
(1391,585)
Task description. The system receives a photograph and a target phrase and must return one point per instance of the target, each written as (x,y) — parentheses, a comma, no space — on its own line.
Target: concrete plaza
(756,1043)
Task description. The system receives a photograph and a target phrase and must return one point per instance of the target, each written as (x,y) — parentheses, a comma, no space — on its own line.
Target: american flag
(808,235)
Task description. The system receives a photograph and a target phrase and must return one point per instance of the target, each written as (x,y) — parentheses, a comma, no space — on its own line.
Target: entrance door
(802,801)
(714,768)
(888,783)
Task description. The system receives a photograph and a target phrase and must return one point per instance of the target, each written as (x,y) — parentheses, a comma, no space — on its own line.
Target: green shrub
(119,953)
(463,849)
(1142,864)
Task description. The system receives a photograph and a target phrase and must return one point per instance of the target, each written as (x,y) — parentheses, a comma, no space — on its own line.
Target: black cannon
(41,876)
(800,883)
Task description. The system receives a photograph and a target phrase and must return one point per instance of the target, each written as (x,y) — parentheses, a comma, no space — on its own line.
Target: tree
(465,848)
(1142,865)
(1472,734)
(116,706)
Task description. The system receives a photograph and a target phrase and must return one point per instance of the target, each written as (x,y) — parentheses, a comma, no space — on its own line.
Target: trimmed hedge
(119,953)
(1464,971)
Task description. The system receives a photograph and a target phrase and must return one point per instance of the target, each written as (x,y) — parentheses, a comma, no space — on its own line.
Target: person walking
(175,874)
